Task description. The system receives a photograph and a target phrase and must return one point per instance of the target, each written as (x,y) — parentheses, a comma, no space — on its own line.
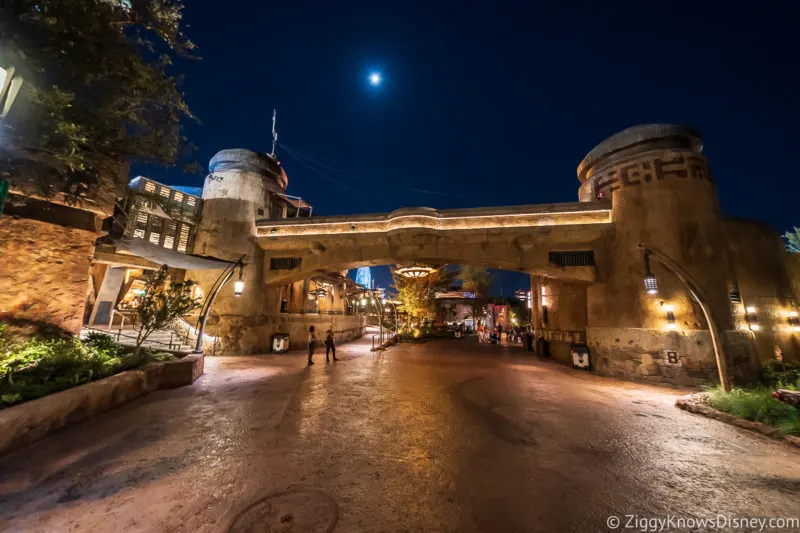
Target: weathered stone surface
(253,335)
(44,272)
(635,353)
(24,423)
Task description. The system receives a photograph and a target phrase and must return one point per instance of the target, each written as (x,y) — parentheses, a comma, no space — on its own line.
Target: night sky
(493,103)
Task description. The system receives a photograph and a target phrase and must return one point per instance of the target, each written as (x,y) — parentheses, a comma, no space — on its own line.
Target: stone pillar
(107,296)
(534,303)
(663,196)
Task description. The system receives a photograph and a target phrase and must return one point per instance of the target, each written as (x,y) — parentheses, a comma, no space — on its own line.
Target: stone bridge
(513,238)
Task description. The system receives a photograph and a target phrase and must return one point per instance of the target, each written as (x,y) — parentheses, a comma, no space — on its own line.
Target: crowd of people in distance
(501,335)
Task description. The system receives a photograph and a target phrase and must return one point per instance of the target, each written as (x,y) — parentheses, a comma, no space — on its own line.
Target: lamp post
(651,286)
(10,85)
(238,289)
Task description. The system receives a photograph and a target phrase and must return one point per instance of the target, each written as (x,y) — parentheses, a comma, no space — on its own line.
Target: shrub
(103,343)
(38,367)
(781,375)
(758,405)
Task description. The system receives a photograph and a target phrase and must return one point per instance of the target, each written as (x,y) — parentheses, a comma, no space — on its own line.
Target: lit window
(179,197)
(169,242)
(155,238)
(190,201)
(138,233)
(183,239)
(149,186)
(141,217)
(163,191)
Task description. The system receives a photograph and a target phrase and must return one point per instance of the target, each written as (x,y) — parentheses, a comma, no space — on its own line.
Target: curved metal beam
(702,301)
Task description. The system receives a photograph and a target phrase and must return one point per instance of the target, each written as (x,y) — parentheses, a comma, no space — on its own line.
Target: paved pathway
(442,436)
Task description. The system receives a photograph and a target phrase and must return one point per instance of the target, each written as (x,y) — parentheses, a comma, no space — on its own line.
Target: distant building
(162,215)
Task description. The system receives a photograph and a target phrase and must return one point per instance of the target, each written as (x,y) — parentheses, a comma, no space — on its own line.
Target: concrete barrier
(24,423)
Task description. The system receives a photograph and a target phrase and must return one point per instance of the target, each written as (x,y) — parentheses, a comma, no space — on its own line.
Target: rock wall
(238,335)
(641,354)
(44,273)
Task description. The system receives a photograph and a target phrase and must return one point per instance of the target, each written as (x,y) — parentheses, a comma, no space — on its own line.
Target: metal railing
(316,312)
(176,341)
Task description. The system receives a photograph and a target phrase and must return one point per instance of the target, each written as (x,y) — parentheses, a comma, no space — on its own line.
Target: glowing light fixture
(375,78)
(10,86)
(752,318)
(363,302)
(415,271)
(794,320)
(670,317)
(238,285)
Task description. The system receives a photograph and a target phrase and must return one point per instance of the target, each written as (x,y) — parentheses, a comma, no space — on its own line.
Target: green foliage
(793,240)
(779,375)
(478,281)
(102,343)
(97,88)
(38,367)
(163,303)
(758,405)
(417,295)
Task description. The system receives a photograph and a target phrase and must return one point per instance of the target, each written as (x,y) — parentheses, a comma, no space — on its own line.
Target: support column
(107,296)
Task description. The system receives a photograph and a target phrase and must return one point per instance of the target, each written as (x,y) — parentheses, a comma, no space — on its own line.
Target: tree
(97,90)
(478,281)
(162,303)
(793,240)
(417,296)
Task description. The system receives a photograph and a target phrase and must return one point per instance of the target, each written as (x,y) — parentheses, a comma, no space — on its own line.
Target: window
(138,233)
(149,186)
(284,263)
(190,201)
(155,237)
(565,259)
(163,192)
(178,197)
(169,234)
(141,217)
(183,239)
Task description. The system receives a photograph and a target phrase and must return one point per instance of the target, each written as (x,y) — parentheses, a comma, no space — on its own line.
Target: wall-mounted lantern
(10,86)
(650,281)
(794,320)
(751,316)
(670,311)
(238,285)
(363,302)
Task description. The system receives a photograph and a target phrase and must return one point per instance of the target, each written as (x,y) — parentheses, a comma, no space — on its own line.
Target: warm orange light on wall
(751,317)
(670,311)
(794,320)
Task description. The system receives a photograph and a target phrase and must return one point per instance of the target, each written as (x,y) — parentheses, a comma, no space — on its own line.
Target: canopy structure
(163,256)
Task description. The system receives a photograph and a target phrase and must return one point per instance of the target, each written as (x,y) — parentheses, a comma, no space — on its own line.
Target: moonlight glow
(375,79)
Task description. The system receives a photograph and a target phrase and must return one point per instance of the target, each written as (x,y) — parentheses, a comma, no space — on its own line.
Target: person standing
(330,346)
(312,341)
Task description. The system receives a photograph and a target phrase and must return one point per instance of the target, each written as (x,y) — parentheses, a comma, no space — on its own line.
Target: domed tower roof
(638,139)
(249,161)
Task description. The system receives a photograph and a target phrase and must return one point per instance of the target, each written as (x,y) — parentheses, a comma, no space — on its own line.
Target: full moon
(375,79)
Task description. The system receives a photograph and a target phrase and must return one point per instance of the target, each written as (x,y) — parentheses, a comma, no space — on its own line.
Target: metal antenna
(274,132)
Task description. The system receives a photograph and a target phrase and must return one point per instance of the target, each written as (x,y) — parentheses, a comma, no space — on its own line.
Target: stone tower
(662,196)
(236,193)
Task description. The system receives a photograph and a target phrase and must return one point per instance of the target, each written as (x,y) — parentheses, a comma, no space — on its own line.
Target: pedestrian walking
(312,341)
(330,346)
